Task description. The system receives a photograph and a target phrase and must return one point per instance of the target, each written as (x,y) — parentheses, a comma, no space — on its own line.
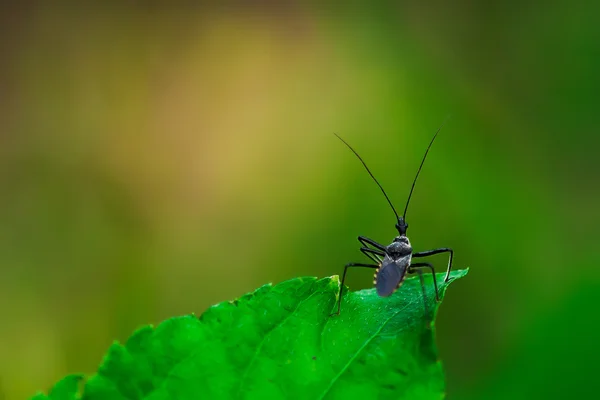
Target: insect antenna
(421,166)
(370,173)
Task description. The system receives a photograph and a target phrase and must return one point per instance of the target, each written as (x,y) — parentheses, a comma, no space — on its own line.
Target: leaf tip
(460,273)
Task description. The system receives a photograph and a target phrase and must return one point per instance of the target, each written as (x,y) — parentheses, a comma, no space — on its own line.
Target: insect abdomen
(390,276)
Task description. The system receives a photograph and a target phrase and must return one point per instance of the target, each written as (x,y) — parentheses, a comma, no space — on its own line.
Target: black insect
(393,262)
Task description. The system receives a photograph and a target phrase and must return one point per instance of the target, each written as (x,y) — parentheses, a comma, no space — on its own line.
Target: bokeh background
(157,159)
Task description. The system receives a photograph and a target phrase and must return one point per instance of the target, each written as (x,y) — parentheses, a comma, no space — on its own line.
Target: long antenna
(421,166)
(369,171)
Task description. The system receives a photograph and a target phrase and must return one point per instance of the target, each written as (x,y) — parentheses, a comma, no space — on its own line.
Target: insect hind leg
(438,251)
(350,265)
(418,267)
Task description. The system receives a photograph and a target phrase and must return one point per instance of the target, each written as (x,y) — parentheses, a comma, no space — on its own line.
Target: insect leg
(372,254)
(422,282)
(365,241)
(437,251)
(344,278)
(417,267)
(423,288)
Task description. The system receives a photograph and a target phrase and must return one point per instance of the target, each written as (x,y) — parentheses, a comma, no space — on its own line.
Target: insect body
(393,262)
(394,266)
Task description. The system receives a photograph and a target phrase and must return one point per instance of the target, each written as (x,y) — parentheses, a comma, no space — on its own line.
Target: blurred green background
(155,160)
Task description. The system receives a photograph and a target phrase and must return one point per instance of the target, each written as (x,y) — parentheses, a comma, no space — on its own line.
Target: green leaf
(66,388)
(280,342)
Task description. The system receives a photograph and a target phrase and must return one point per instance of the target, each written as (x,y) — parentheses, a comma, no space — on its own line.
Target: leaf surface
(281,342)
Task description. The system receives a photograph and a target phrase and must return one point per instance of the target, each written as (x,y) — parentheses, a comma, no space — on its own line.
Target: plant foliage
(280,342)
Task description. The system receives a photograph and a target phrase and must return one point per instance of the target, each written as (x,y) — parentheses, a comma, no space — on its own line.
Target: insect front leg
(417,267)
(437,251)
(365,241)
(344,278)
(368,251)
(373,254)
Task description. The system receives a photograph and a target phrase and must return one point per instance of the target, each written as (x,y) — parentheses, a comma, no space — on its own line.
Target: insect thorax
(400,247)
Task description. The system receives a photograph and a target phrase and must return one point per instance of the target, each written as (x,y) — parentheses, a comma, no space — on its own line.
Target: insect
(393,262)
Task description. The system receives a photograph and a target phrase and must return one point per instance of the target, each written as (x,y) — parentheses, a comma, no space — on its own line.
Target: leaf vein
(259,347)
(360,349)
